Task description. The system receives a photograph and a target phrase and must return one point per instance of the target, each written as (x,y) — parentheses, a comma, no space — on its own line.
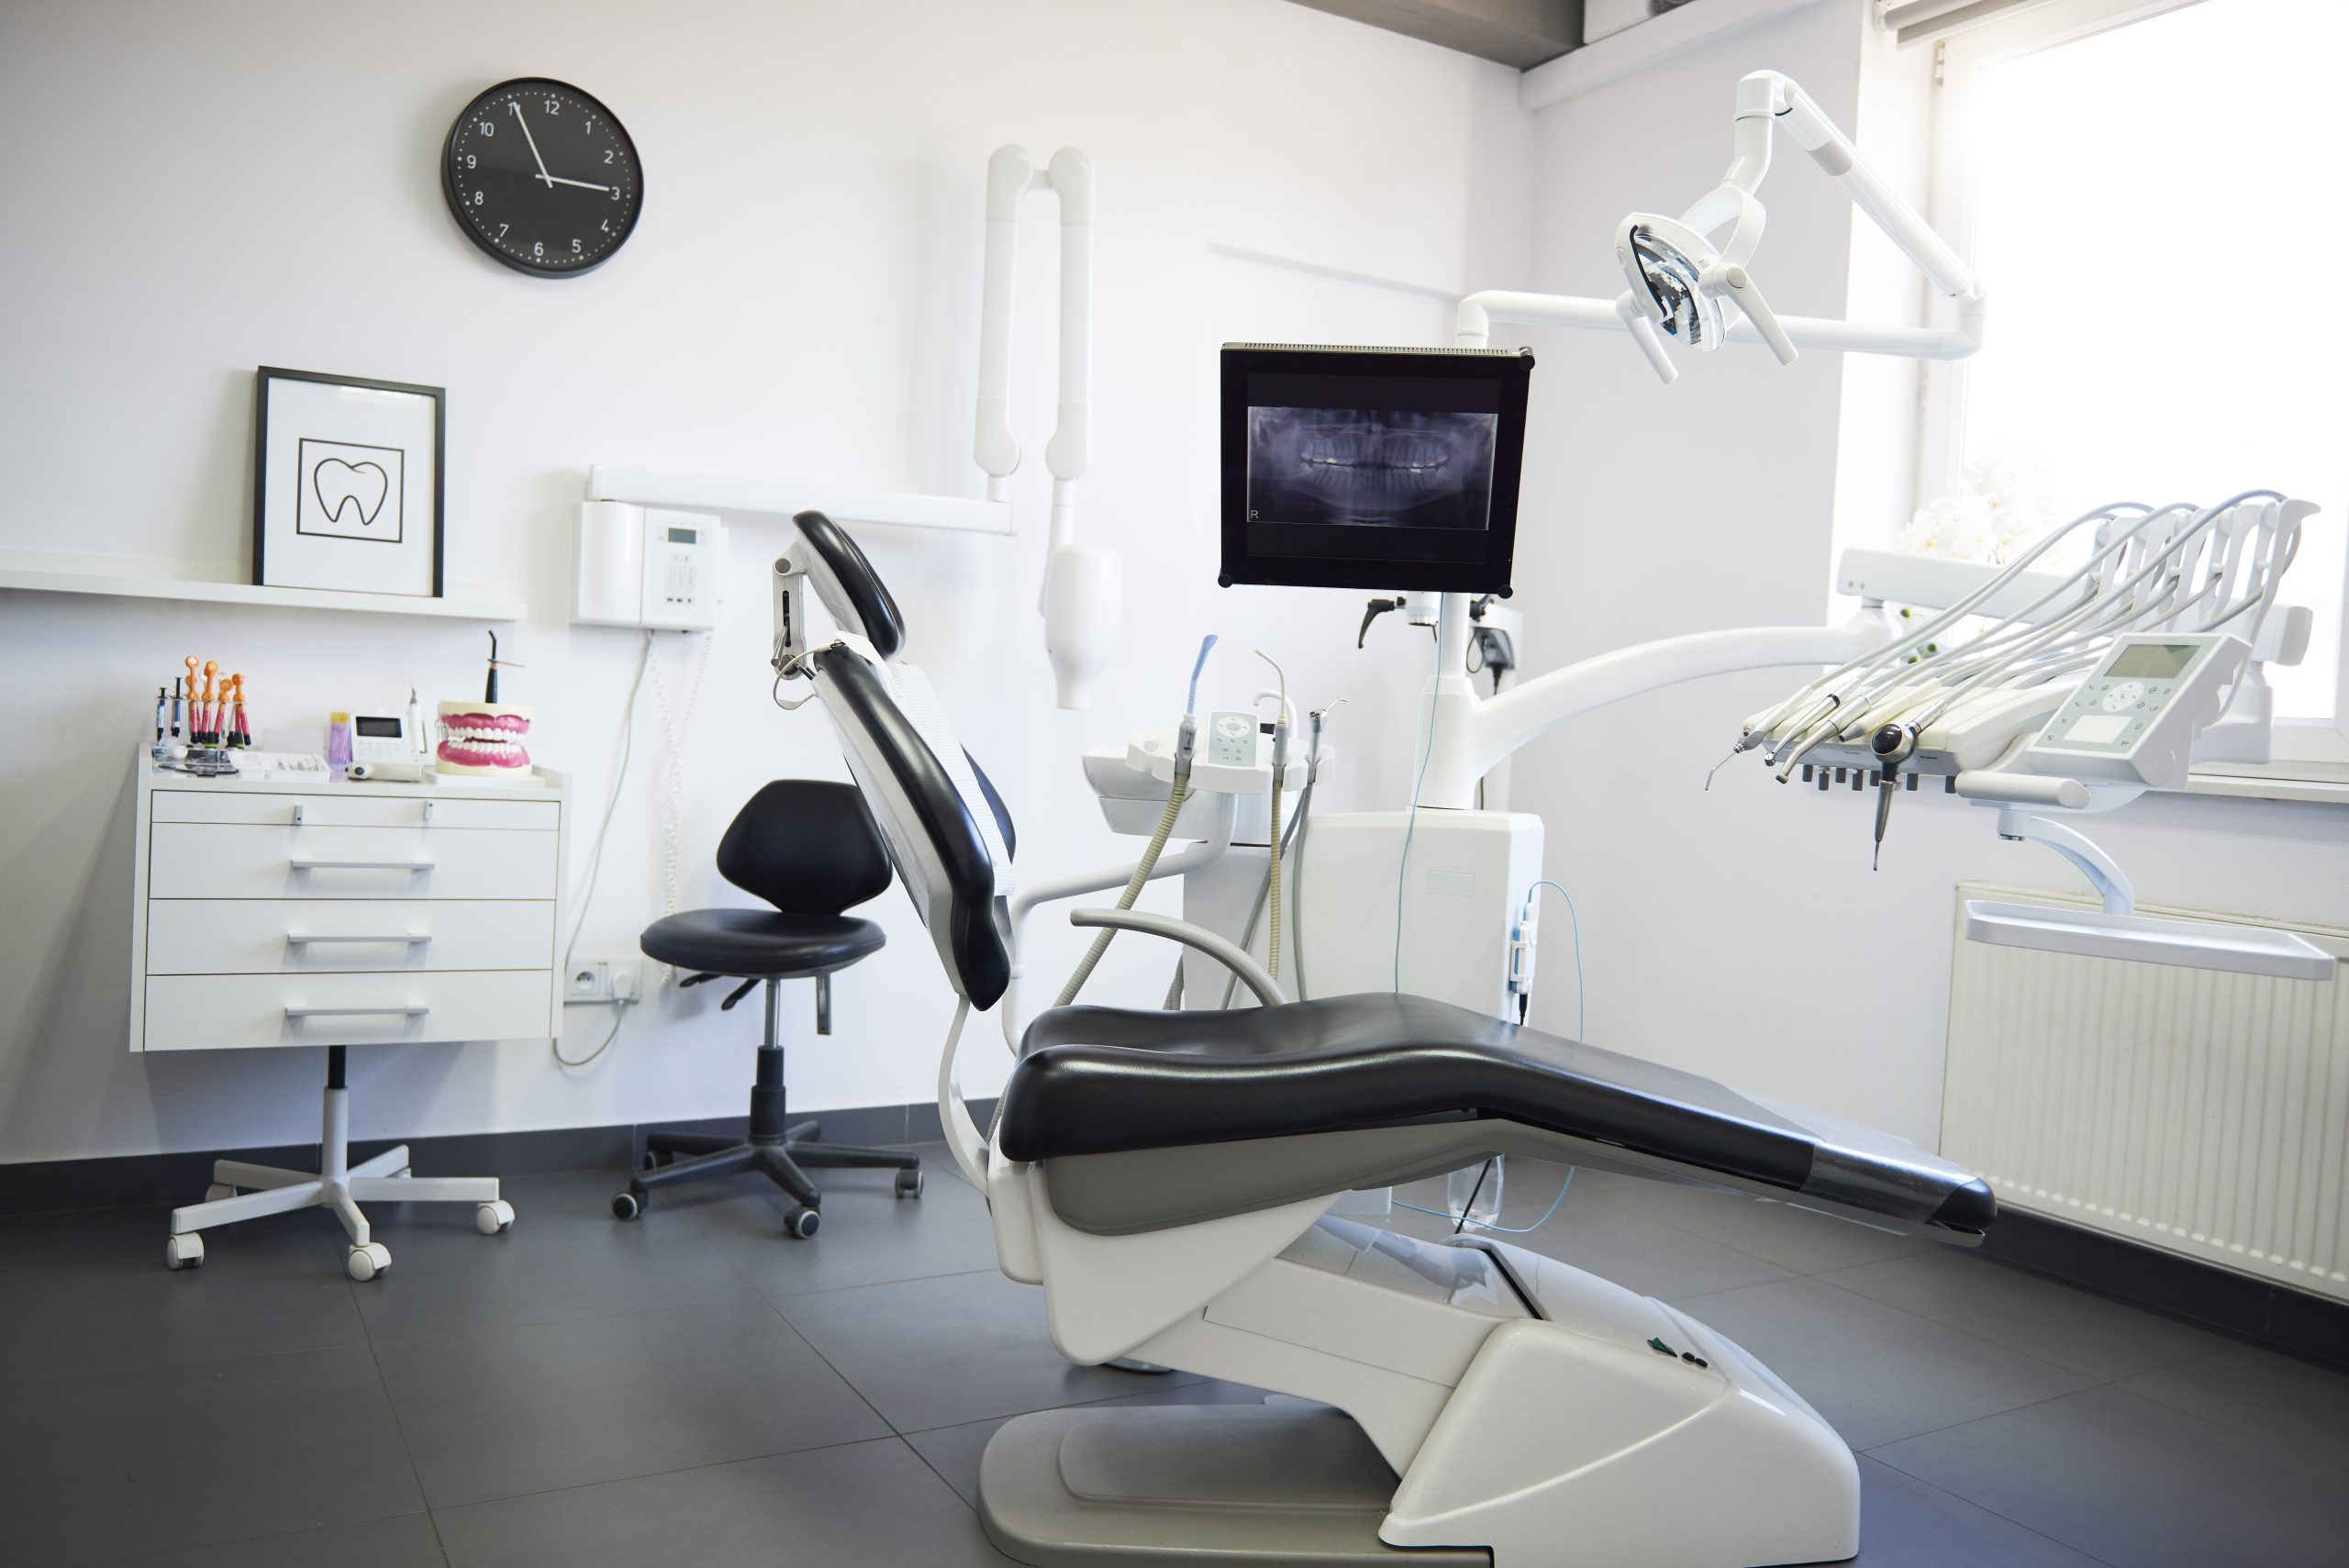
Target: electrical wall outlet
(603,980)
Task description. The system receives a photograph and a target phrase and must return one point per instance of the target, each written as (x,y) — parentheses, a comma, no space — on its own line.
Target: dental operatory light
(1684,283)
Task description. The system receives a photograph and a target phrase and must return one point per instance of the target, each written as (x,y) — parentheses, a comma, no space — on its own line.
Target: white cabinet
(276,914)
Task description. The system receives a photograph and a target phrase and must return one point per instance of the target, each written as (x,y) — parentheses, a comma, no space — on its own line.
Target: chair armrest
(1223,950)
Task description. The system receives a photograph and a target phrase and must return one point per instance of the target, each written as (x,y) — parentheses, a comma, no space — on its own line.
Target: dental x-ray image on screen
(1371,467)
(1377,468)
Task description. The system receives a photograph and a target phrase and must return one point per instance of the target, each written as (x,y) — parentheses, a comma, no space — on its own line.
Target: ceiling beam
(1522,33)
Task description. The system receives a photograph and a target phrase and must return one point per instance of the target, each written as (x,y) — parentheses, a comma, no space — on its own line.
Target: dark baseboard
(2296,1322)
(119,1181)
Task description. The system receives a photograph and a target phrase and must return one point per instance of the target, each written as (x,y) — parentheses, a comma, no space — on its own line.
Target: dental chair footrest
(1204,1486)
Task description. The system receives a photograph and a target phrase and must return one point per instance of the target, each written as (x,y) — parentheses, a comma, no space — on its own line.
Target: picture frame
(348,484)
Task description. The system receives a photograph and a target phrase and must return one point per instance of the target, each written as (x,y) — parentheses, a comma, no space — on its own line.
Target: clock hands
(534,140)
(550,180)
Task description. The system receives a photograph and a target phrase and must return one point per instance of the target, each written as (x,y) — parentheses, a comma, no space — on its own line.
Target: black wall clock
(542,177)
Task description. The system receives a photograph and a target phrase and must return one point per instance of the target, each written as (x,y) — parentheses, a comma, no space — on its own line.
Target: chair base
(782,1160)
(1210,1486)
(337,1185)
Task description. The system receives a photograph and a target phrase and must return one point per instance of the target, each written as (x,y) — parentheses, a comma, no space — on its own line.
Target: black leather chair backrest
(931,823)
(807,846)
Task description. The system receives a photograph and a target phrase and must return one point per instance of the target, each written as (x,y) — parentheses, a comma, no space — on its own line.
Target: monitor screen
(1372,468)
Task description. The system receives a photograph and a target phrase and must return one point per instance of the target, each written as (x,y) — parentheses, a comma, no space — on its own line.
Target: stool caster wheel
(629,1205)
(183,1252)
(801,1222)
(909,1184)
(218,1191)
(656,1158)
(493,1217)
(366,1261)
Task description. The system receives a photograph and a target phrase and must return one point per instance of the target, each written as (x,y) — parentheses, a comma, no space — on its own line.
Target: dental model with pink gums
(484,740)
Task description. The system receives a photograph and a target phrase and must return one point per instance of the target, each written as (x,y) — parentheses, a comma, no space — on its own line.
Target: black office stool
(809,849)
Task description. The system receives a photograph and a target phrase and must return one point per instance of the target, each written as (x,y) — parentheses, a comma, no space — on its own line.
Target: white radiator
(2200,1112)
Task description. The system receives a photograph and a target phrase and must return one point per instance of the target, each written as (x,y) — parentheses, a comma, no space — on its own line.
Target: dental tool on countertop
(162,699)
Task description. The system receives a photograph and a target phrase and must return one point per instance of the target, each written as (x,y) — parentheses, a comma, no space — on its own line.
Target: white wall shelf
(36,571)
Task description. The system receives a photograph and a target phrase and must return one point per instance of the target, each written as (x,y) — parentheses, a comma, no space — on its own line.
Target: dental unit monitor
(1372,468)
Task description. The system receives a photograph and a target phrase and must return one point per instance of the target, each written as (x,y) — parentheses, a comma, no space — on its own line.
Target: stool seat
(759,941)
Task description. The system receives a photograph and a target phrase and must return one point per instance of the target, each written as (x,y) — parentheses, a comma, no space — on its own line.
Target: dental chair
(1166,1178)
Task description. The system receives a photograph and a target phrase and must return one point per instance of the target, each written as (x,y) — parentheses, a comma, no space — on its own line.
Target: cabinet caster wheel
(629,1205)
(493,1217)
(218,1191)
(366,1262)
(801,1222)
(183,1252)
(909,1184)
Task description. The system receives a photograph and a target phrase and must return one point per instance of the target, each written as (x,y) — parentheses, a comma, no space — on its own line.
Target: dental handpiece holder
(2130,727)
(1132,782)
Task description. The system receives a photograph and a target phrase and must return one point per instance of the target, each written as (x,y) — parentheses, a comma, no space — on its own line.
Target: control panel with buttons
(2134,718)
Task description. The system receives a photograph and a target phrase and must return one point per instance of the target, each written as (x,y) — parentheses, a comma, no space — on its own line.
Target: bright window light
(2156,216)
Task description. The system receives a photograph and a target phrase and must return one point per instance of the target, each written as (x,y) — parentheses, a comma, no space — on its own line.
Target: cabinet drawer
(205,1012)
(257,936)
(330,810)
(204,860)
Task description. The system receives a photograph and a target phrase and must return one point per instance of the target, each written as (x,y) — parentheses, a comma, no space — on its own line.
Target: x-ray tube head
(1379,468)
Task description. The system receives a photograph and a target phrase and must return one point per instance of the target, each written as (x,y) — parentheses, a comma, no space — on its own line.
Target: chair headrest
(849,586)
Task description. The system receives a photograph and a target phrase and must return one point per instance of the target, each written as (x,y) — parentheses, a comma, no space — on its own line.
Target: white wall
(1740,932)
(221,186)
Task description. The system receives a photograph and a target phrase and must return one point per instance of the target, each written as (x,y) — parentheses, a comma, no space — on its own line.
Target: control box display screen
(2152,661)
(1372,468)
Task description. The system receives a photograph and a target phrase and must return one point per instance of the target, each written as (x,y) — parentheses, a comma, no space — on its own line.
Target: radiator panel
(2204,1113)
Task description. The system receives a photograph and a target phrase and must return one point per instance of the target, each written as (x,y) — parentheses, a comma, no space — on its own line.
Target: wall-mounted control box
(647,566)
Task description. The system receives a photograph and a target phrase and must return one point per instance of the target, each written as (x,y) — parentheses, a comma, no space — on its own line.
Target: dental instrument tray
(1372,468)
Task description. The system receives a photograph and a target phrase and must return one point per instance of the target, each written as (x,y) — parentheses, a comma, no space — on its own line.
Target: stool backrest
(807,846)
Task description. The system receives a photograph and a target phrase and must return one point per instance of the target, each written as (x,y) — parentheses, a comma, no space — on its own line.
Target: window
(2147,189)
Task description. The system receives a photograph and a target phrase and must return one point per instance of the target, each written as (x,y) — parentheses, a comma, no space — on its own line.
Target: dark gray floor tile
(565,1257)
(93,1468)
(1794,1238)
(953,1451)
(869,1237)
(2025,1312)
(1592,1231)
(499,1412)
(2261,1395)
(937,1352)
(869,1504)
(2139,1484)
(87,1293)
(1877,1372)
(1904,1523)
(406,1540)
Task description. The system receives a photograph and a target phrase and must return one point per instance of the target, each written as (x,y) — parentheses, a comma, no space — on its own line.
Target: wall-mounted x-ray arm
(1680,277)
(1081,596)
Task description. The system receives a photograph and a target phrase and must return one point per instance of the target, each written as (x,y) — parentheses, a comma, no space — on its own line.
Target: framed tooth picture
(347,483)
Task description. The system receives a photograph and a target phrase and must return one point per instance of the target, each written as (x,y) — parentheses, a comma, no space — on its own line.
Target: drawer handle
(301,865)
(414,939)
(413,1011)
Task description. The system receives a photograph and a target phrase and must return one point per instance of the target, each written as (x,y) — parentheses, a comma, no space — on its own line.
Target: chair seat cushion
(759,941)
(1109,1080)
